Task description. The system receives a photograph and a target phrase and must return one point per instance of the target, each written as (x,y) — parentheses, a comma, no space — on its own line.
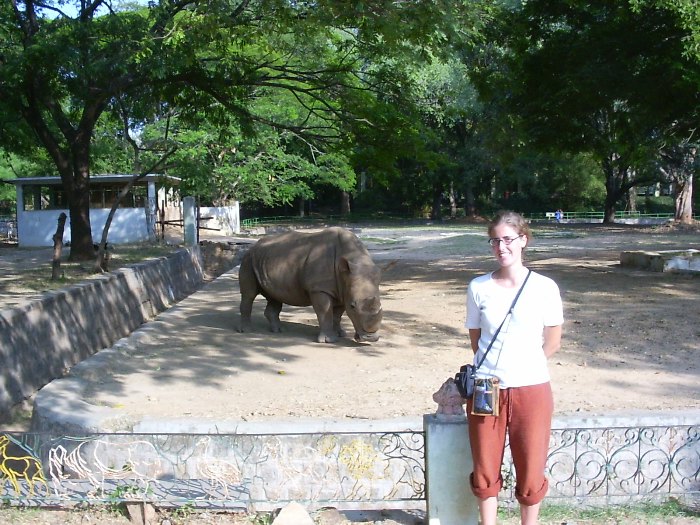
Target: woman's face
(507,254)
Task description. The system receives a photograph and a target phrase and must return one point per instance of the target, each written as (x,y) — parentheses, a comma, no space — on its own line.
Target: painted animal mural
(330,270)
(17,464)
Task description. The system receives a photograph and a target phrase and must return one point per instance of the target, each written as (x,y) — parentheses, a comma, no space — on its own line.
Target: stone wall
(41,340)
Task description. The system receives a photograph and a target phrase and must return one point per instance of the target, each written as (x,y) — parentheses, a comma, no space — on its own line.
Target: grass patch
(641,513)
(38,278)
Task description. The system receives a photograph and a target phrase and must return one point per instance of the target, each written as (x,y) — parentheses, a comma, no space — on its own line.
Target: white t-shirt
(516,357)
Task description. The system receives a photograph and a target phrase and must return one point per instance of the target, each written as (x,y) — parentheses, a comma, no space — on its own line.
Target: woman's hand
(552,340)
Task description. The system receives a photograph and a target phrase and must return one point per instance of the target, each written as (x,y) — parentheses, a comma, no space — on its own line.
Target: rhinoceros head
(362,302)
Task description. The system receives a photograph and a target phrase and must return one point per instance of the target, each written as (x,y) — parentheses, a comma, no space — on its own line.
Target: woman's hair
(512,219)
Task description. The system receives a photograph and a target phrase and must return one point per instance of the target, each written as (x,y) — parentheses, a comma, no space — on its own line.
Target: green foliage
(590,74)
(531,105)
(261,518)
(656,205)
(73,77)
(586,78)
(116,498)
(688,15)
(268,167)
(13,166)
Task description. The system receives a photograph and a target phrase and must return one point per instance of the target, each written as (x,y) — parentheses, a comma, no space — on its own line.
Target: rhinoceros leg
(323,306)
(249,288)
(272,314)
(338,312)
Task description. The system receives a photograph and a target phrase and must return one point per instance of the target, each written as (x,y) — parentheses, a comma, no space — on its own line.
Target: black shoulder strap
(510,311)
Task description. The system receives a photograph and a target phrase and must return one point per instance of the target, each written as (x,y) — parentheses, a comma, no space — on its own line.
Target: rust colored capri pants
(525,416)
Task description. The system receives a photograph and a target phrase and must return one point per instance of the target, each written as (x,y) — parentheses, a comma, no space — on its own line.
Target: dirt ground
(631,338)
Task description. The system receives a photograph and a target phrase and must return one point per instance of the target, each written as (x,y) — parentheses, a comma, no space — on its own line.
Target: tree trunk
(609,209)
(81,245)
(469,203)
(684,200)
(344,203)
(615,175)
(453,201)
(436,209)
(58,248)
(610,197)
(78,195)
(631,200)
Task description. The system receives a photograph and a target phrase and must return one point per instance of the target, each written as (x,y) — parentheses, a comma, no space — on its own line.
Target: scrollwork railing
(361,470)
(622,463)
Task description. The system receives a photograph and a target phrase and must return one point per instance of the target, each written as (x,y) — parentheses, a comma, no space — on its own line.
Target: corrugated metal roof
(102,178)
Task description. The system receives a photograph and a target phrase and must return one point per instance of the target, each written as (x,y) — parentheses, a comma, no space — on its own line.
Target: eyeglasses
(495,241)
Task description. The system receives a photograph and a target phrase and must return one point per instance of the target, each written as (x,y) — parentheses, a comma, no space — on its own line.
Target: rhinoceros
(330,270)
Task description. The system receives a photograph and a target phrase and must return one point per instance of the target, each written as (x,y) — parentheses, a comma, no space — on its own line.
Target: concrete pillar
(236,217)
(189,220)
(151,205)
(448,464)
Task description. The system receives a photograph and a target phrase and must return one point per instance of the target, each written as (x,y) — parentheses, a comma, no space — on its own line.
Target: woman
(529,334)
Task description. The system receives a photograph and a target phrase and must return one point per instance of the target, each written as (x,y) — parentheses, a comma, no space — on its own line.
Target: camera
(485,397)
(464,379)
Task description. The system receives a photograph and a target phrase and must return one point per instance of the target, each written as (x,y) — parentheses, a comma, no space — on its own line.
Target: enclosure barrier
(594,465)
(598,216)
(546,216)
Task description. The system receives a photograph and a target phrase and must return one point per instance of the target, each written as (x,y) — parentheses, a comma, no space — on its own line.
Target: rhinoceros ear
(343,264)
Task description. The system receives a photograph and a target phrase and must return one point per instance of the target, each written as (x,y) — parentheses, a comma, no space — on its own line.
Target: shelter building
(41,200)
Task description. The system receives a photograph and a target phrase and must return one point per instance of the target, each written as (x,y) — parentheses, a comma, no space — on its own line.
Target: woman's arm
(552,340)
(474,335)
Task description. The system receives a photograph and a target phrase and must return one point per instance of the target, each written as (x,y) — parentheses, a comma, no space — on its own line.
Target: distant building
(40,201)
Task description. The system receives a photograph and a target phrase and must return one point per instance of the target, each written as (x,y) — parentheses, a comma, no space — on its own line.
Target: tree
(585,77)
(61,71)
(688,16)
(679,163)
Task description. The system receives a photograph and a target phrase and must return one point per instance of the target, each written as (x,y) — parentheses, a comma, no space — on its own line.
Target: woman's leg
(529,514)
(487,436)
(488,510)
(529,431)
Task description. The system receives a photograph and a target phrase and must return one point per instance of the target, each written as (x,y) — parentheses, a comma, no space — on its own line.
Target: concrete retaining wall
(41,340)
(662,261)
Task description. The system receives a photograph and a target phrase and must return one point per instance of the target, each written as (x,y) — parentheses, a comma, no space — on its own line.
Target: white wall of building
(129,225)
(225,220)
(36,228)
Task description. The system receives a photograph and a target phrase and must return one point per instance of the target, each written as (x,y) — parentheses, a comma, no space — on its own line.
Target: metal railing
(345,470)
(571,216)
(598,215)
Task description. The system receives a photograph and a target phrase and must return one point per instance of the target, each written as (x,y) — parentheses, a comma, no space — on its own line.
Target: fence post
(448,464)
(189,221)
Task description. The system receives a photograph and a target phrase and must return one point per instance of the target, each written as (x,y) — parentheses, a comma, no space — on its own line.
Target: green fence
(570,216)
(599,215)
